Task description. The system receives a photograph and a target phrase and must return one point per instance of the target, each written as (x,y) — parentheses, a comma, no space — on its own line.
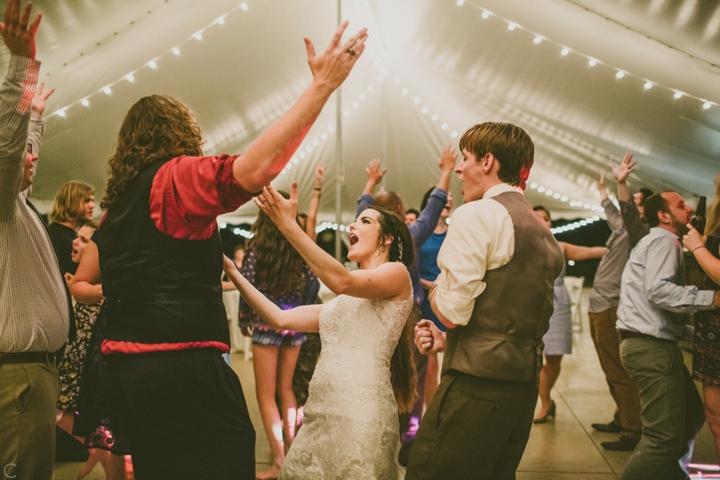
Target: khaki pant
(28,395)
(622,388)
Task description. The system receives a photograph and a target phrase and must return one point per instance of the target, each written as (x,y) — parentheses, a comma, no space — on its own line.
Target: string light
(565,51)
(564,198)
(130,76)
(575,225)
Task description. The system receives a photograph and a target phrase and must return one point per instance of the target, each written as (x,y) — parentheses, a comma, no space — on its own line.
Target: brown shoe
(622,444)
(611,427)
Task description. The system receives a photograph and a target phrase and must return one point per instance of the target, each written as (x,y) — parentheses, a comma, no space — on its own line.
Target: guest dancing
(365,374)
(478,422)
(70,368)
(160,256)
(429,272)
(706,358)
(277,270)
(558,339)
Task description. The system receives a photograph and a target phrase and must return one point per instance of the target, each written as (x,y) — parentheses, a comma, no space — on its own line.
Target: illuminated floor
(564,449)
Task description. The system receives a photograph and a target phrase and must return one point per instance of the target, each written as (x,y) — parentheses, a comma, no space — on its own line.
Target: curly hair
(155,128)
(278,270)
(403,375)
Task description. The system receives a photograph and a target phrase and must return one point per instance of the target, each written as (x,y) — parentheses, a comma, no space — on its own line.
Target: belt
(27,357)
(625,334)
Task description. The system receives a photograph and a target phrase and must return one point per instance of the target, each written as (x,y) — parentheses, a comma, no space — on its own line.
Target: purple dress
(706,359)
(263,334)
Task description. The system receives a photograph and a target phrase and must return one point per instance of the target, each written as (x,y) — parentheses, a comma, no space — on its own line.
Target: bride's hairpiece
(400,247)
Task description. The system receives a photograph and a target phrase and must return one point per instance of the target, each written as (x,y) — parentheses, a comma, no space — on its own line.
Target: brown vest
(503,339)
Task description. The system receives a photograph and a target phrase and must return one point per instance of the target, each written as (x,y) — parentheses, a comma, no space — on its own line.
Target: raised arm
(579,252)
(85,286)
(315,202)
(302,319)
(269,154)
(621,172)
(16,95)
(426,222)
(389,280)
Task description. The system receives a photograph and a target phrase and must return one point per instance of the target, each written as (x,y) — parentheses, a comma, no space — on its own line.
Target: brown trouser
(474,428)
(622,388)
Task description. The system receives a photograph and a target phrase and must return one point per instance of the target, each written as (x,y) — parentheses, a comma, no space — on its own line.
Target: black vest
(158,289)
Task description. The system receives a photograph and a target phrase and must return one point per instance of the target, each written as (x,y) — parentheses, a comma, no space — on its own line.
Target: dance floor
(566,448)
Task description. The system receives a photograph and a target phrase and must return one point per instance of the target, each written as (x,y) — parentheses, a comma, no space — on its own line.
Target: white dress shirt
(651,301)
(480,237)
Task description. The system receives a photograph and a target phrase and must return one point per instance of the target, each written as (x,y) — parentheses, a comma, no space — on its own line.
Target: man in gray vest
(495,294)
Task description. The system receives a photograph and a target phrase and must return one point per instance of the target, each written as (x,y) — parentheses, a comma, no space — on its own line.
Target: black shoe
(622,444)
(611,427)
(550,413)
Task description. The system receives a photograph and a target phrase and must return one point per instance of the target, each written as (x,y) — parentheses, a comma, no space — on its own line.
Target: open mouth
(353,239)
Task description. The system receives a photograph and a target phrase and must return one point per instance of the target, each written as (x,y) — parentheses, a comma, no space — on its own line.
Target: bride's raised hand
(281,211)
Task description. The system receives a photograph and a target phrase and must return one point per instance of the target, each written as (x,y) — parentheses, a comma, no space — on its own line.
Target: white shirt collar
(501,188)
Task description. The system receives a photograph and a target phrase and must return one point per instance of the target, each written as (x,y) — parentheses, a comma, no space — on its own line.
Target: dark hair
(403,375)
(413,212)
(401,249)
(239,246)
(155,128)
(511,146)
(537,208)
(278,270)
(646,193)
(426,198)
(389,201)
(653,205)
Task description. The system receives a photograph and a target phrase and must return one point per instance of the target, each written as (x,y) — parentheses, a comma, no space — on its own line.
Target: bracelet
(432,288)
(693,250)
(317,189)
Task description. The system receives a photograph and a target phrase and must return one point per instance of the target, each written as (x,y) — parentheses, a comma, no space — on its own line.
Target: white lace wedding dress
(350,429)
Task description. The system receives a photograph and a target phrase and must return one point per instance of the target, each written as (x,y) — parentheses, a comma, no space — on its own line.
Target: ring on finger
(352,51)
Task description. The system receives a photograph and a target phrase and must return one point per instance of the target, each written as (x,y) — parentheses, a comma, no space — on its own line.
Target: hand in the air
(333,66)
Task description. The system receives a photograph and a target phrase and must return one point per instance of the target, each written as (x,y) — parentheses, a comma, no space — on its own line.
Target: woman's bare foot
(269,474)
(92,460)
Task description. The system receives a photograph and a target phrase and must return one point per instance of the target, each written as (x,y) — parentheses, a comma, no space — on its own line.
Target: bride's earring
(382,249)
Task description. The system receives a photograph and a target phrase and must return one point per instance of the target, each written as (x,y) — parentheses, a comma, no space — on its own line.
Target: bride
(365,374)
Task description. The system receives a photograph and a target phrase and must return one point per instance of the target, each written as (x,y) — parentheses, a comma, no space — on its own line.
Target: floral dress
(263,334)
(706,359)
(70,367)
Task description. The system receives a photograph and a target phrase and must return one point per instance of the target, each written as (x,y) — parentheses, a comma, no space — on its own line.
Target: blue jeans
(672,412)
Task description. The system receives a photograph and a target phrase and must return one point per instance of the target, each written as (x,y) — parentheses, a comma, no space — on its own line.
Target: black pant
(184,414)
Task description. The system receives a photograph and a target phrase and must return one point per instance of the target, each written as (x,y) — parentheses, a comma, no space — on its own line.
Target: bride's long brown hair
(403,375)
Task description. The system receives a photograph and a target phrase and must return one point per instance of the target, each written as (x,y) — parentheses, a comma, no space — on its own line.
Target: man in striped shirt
(34,305)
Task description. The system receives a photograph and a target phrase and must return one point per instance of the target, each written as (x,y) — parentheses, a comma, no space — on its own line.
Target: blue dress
(558,339)
(429,270)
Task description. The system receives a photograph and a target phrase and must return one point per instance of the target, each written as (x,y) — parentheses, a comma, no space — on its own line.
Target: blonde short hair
(68,205)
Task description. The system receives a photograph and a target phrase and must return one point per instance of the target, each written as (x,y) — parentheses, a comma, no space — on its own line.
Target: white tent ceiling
(432,56)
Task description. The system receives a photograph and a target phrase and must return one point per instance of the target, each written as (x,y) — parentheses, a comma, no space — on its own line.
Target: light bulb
(648,85)
(85,102)
(176,51)
(678,94)
(107,90)
(620,74)
(564,52)
(152,64)
(512,26)
(130,77)
(198,36)
(707,105)
(538,40)
(486,14)
(244,6)
(592,62)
